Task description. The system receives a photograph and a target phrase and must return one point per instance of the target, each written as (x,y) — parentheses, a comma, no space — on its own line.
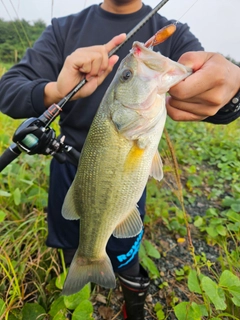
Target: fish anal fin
(69,210)
(157,167)
(129,227)
(83,271)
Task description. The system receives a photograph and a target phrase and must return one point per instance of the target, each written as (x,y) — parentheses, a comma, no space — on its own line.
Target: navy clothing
(21,96)
(21,88)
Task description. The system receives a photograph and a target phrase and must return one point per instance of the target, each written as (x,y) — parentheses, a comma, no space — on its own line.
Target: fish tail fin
(83,271)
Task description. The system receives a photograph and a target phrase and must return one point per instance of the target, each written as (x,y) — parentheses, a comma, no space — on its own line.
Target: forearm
(20,97)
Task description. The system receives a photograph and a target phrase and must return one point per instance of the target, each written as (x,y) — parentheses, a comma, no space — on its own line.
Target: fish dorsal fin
(157,167)
(69,210)
(129,227)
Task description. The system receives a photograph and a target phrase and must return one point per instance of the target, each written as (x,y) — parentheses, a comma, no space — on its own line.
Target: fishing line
(6,10)
(52,8)
(20,22)
(186,12)
(14,25)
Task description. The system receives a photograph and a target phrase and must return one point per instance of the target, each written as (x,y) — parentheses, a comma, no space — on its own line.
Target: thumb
(195,59)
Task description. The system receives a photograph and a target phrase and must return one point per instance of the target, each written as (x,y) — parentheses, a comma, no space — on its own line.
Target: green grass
(4,67)
(209,166)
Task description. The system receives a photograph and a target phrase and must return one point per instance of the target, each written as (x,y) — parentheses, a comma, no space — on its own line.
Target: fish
(118,156)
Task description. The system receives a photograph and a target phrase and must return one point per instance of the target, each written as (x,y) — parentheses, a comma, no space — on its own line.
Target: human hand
(92,63)
(214,81)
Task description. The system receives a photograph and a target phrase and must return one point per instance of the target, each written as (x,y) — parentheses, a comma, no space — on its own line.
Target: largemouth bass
(119,155)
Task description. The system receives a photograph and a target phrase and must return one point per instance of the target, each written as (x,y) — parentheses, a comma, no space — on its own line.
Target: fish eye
(126,75)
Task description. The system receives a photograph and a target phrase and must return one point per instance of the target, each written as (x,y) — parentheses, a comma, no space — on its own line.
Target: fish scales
(119,155)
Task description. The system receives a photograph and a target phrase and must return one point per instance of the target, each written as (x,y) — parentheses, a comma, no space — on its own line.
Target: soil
(174,256)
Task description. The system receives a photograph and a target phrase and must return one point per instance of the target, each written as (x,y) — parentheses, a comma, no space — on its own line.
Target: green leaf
(61,315)
(179,272)
(60,281)
(83,311)
(188,311)
(142,252)
(198,222)
(160,315)
(228,279)
(157,307)
(180,310)
(236,207)
(212,232)
(215,221)
(17,196)
(236,296)
(12,317)
(151,250)
(212,212)
(72,301)
(33,311)
(4,193)
(58,307)
(233,216)
(227,202)
(236,188)
(193,282)
(198,310)
(2,216)
(231,283)
(152,268)
(2,307)
(215,294)
(221,230)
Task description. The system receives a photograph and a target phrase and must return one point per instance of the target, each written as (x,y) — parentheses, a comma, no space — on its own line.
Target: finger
(94,82)
(89,61)
(179,115)
(215,97)
(112,61)
(195,59)
(96,66)
(115,42)
(201,80)
(198,84)
(199,109)
(89,87)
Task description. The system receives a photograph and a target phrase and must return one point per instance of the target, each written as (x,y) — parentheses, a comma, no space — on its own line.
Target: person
(54,65)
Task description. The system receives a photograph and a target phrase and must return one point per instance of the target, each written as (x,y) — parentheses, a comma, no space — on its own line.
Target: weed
(204,163)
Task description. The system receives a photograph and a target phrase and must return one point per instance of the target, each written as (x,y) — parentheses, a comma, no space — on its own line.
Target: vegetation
(201,163)
(30,275)
(16,36)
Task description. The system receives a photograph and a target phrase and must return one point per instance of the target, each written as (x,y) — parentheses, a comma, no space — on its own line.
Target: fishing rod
(34,136)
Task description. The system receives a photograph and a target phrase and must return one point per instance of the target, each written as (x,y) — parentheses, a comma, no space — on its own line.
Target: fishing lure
(160,36)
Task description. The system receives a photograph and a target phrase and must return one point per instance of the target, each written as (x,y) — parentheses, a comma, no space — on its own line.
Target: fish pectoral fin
(69,210)
(83,271)
(157,167)
(129,227)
